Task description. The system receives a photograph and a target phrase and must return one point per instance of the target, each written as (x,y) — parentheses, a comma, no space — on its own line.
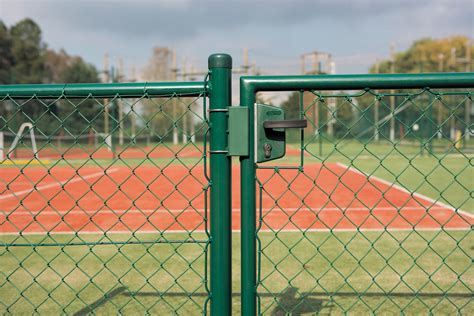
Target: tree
(430,55)
(78,116)
(6,63)
(77,71)
(63,68)
(56,65)
(27,49)
(291,106)
(6,59)
(449,54)
(24,59)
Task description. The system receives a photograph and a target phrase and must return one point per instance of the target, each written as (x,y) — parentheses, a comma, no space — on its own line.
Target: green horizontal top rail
(102,90)
(351,82)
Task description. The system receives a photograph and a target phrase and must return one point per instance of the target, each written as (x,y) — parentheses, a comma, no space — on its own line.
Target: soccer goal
(19,139)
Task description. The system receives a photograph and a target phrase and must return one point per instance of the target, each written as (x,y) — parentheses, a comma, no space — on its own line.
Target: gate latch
(270,135)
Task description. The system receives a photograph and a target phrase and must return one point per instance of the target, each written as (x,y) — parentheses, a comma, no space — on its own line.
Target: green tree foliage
(6,62)
(62,68)
(6,59)
(25,59)
(27,49)
(346,113)
(431,55)
(292,106)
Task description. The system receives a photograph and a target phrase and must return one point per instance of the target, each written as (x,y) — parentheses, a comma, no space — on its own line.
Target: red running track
(146,199)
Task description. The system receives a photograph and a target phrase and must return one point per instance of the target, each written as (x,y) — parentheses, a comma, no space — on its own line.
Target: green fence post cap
(220,60)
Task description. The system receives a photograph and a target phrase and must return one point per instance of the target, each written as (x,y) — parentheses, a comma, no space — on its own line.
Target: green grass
(384,272)
(54,278)
(385,268)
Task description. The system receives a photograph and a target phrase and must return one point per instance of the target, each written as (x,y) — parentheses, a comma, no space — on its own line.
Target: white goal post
(1,146)
(15,142)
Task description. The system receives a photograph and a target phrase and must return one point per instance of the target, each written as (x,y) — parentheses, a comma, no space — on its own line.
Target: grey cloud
(129,28)
(187,19)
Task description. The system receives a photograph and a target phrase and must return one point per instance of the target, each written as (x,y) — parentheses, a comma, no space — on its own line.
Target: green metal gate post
(220,67)
(248,209)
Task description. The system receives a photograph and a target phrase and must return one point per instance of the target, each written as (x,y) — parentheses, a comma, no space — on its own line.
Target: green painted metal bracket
(238,131)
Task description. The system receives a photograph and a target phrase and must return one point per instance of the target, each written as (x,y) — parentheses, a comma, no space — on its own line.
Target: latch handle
(286,124)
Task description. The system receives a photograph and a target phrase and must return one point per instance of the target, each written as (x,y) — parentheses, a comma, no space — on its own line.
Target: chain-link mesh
(103,204)
(371,211)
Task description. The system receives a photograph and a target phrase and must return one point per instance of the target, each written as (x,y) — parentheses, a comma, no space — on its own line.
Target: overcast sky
(276,32)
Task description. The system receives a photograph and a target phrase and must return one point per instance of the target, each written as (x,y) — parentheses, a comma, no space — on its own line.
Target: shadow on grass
(286,302)
(101,301)
(289,303)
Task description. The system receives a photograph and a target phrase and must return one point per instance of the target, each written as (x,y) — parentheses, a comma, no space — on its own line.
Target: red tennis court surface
(146,199)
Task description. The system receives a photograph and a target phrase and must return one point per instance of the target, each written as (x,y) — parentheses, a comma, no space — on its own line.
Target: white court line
(51,185)
(235,210)
(453,156)
(398,187)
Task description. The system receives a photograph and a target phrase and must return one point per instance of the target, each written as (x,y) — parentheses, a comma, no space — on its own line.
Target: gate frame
(218,90)
(249,86)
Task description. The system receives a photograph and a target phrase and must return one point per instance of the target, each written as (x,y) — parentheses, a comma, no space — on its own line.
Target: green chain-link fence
(116,198)
(104,207)
(371,209)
